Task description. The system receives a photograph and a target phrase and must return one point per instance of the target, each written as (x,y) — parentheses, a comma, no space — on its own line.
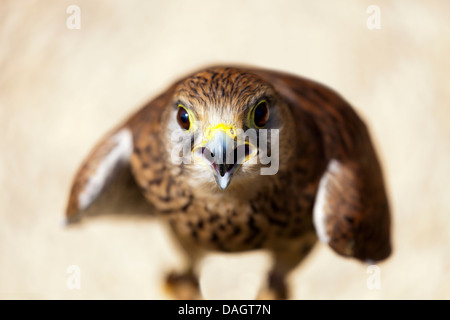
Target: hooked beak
(223,152)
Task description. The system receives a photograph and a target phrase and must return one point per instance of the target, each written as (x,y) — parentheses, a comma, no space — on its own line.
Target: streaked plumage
(329,181)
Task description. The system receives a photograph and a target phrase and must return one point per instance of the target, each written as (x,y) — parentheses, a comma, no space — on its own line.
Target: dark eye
(261,114)
(183,118)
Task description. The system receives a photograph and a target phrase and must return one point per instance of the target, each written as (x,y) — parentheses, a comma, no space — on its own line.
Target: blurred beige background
(61,90)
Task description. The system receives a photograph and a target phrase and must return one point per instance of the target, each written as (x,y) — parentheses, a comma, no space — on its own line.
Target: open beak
(223,152)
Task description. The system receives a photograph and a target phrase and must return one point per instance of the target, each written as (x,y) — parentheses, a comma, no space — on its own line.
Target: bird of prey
(238,158)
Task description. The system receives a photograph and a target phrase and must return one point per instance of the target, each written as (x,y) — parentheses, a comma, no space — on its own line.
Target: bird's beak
(223,152)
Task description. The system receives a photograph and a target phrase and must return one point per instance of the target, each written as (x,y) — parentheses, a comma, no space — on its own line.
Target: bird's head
(225,125)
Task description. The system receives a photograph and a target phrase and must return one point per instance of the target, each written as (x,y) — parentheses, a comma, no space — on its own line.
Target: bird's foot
(270,294)
(276,289)
(182,286)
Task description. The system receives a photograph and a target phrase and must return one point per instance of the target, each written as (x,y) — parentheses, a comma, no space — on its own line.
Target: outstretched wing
(351,211)
(105,182)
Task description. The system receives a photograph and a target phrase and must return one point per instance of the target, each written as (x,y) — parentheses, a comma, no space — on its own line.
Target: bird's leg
(185,285)
(284,262)
(276,287)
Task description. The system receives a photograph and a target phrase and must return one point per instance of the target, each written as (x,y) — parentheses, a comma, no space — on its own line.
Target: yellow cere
(227,128)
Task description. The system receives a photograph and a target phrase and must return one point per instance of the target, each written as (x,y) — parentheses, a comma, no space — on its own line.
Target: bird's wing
(351,211)
(105,183)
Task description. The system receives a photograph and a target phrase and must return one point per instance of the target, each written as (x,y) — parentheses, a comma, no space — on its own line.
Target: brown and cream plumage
(328,184)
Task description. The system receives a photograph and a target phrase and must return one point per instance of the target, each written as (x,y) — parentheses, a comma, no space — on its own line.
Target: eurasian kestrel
(236,159)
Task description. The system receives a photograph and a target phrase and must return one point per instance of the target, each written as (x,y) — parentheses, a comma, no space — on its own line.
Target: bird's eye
(261,114)
(183,118)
